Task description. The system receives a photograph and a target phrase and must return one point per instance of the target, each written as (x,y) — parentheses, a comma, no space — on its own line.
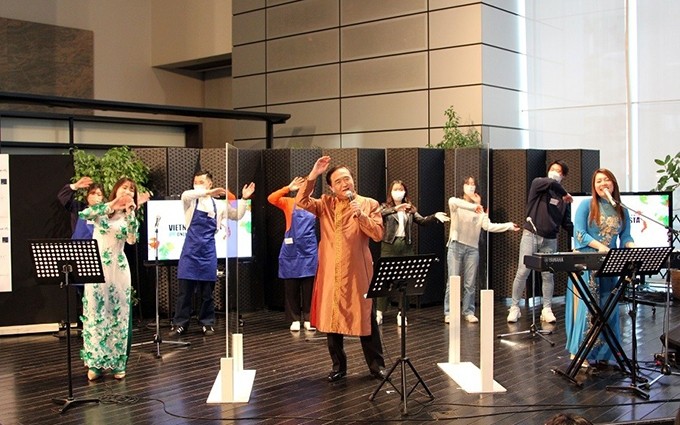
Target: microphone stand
(665,369)
(533,330)
(157,339)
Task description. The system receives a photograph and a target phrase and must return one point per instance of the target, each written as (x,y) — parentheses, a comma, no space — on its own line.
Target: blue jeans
(465,259)
(526,247)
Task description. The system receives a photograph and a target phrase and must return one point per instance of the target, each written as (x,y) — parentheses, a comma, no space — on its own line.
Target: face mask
(398,195)
(199,187)
(555,176)
(469,189)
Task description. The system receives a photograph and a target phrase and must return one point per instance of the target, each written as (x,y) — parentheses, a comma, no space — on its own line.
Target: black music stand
(406,275)
(157,339)
(67,261)
(628,263)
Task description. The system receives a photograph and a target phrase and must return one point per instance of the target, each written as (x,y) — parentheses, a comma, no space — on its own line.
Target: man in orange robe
(339,305)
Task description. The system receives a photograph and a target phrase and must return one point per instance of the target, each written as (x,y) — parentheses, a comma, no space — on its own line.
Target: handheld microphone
(530,221)
(608,195)
(158,220)
(349,195)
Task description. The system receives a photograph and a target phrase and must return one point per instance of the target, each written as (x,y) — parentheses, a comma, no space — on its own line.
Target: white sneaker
(471,318)
(547,315)
(399,320)
(295,326)
(514,314)
(446,319)
(309,327)
(378,317)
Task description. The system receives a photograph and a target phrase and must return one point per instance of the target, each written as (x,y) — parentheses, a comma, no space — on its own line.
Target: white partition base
(233,384)
(471,378)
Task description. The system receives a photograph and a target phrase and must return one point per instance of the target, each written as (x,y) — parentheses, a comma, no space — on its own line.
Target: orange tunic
(281,201)
(345,268)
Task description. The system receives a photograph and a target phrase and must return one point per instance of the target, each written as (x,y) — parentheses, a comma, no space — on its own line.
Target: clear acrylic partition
(486,166)
(484,180)
(231,284)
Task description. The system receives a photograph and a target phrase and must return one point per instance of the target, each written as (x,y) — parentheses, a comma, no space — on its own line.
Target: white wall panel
(501,28)
(502,68)
(501,107)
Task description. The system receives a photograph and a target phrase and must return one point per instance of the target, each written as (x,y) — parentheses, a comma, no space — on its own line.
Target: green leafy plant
(115,163)
(454,137)
(669,175)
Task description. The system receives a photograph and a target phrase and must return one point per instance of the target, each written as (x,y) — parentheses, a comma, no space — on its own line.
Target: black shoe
(379,374)
(176,331)
(208,330)
(336,375)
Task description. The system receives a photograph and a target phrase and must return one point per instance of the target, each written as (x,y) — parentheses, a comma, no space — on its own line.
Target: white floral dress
(106,306)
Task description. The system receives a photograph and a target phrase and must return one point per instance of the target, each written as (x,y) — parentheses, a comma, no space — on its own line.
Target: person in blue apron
(197,268)
(80,228)
(298,257)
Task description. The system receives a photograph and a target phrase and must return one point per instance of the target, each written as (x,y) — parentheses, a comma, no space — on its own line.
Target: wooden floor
(291,368)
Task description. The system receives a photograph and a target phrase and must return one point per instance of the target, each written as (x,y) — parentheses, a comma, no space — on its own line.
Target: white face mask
(555,176)
(199,187)
(398,195)
(469,189)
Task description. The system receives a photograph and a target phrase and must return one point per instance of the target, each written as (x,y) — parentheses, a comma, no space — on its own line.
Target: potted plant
(454,137)
(669,181)
(114,164)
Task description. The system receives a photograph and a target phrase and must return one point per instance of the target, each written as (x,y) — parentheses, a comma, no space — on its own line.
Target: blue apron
(83,230)
(198,260)
(299,258)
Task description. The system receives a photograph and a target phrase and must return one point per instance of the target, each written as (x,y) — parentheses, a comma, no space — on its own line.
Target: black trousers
(370,344)
(298,298)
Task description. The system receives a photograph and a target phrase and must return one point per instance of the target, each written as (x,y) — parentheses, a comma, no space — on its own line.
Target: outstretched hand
(320,167)
(83,183)
(296,183)
(442,217)
(217,192)
(248,190)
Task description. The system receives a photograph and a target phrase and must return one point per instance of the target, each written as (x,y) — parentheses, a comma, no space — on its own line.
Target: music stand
(628,263)
(407,275)
(157,339)
(67,261)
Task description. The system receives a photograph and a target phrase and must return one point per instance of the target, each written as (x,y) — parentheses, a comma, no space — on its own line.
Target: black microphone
(530,221)
(608,195)
(158,220)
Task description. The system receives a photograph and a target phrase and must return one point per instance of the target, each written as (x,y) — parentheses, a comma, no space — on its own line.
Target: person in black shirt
(547,207)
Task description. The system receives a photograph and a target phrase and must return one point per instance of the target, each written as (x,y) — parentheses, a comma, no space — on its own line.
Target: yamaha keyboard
(564,261)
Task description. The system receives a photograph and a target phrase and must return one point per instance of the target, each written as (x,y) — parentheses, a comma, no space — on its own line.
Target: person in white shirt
(197,265)
(467,221)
